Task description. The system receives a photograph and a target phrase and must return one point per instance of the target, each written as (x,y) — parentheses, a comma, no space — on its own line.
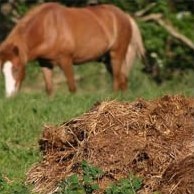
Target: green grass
(22,118)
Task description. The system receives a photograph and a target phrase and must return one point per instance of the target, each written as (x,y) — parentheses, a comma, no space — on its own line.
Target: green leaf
(73,179)
(87,179)
(95,187)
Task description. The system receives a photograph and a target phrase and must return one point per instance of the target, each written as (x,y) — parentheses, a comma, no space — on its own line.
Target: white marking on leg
(10,82)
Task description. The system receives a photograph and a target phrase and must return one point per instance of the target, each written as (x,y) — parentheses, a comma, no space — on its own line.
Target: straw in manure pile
(151,139)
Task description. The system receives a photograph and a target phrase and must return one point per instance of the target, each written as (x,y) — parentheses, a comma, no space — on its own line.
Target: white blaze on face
(10,82)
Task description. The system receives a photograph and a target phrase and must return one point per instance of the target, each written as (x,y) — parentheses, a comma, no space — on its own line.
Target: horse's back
(91,29)
(72,31)
(85,33)
(122,24)
(96,28)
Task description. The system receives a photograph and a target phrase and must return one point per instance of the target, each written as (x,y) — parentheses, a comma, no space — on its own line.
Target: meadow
(23,117)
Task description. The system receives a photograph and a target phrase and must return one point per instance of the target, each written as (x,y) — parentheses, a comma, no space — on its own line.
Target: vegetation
(84,185)
(129,185)
(87,183)
(22,117)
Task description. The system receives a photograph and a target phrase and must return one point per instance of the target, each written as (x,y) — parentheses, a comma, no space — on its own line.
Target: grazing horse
(65,36)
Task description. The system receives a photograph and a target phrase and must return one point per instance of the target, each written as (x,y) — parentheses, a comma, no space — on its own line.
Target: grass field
(22,118)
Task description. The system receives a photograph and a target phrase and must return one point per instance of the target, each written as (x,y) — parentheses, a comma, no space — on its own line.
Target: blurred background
(167,28)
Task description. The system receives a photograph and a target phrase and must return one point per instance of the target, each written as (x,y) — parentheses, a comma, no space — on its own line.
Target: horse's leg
(47,70)
(119,78)
(124,79)
(66,65)
(47,73)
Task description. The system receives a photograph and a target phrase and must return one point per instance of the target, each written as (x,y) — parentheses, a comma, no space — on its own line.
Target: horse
(65,36)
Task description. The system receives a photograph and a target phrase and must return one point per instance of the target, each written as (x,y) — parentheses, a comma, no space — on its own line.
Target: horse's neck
(17,40)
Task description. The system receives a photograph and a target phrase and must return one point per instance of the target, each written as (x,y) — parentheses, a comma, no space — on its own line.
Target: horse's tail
(135,49)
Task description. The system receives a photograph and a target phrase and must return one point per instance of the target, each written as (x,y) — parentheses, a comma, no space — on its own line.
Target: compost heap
(152,139)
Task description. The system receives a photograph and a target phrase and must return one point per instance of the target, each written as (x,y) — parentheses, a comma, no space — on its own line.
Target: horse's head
(12,68)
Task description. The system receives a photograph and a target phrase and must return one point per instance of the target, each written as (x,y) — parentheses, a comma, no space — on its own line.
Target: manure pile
(152,139)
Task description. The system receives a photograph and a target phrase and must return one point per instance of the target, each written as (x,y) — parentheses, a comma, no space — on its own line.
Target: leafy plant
(90,174)
(72,185)
(83,185)
(129,185)
(86,184)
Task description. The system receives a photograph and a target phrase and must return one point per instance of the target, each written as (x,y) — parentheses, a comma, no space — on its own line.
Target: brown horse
(66,36)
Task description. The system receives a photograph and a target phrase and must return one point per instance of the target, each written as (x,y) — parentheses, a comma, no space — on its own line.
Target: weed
(83,185)
(125,186)
(86,184)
